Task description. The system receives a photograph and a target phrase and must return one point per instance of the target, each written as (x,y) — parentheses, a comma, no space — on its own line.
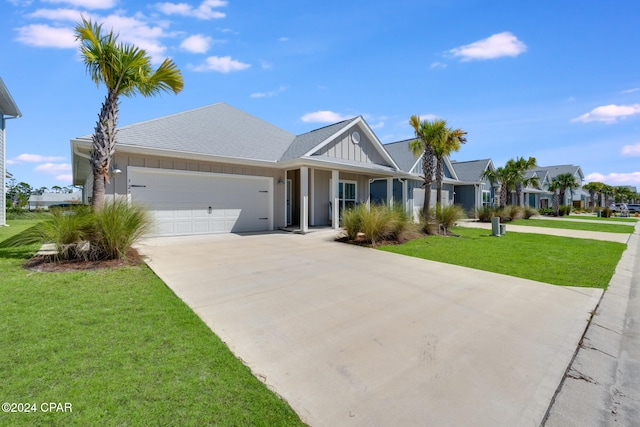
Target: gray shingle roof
(470,171)
(302,144)
(401,154)
(215,130)
(557,170)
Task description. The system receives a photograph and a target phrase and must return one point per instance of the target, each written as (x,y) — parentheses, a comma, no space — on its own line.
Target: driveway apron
(355,336)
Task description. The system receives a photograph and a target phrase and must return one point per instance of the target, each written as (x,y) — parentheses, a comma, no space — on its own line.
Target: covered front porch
(316,196)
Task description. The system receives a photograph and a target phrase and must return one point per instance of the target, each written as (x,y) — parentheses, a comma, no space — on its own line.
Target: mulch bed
(51,265)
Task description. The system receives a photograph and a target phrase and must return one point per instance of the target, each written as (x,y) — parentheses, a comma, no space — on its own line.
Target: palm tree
(520,166)
(555,186)
(566,181)
(427,133)
(504,176)
(443,147)
(592,188)
(125,70)
(606,192)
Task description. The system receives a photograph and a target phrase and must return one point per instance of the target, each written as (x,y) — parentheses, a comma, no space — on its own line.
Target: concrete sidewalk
(578,234)
(602,386)
(355,336)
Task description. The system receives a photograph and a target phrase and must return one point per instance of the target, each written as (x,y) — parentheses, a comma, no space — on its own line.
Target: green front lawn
(574,225)
(598,218)
(121,348)
(558,260)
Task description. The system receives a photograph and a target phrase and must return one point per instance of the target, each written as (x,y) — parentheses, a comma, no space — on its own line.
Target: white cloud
(266,65)
(222,64)
(46,36)
(204,11)
(66,178)
(495,46)
(87,4)
(635,89)
(438,65)
(196,44)
(631,150)
(378,125)
(53,168)
(630,178)
(72,15)
(283,39)
(324,117)
(33,158)
(609,113)
(268,94)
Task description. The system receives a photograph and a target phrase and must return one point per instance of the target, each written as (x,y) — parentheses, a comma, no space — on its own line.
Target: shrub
(82,233)
(66,230)
(376,222)
(485,213)
(513,212)
(117,227)
(564,210)
(352,220)
(605,213)
(447,216)
(546,211)
(529,212)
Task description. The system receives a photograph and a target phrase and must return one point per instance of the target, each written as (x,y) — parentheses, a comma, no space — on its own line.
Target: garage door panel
(201,203)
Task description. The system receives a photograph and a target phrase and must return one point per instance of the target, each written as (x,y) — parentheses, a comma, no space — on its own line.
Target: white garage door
(183,202)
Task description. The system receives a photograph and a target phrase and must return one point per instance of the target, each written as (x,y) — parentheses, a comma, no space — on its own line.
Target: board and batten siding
(123,160)
(345,149)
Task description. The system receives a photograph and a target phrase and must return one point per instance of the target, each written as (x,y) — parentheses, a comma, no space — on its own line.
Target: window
(347,194)
(486,198)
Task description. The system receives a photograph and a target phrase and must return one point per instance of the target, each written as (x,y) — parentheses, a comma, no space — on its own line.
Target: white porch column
(405,195)
(390,192)
(312,197)
(335,216)
(304,199)
(286,196)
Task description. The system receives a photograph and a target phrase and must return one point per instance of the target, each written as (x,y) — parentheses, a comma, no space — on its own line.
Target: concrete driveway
(355,336)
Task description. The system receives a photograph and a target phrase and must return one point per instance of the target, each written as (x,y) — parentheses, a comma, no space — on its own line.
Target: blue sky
(555,80)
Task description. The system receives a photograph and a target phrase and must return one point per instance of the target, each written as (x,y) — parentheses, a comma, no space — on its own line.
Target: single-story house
(8,110)
(218,169)
(409,188)
(474,191)
(576,197)
(46,200)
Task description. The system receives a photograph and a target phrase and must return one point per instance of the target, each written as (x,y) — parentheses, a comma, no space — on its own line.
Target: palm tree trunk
(562,191)
(439,179)
(427,169)
(556,207)
(104,142)
(503,195)
(518,193)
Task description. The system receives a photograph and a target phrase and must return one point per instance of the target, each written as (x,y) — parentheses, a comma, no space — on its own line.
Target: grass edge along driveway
(121,349)
(557,260)
(622,228)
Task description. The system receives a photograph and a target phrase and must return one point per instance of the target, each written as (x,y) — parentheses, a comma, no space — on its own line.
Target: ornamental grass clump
(447,216)
(85,234)
(374,223)
(117,226)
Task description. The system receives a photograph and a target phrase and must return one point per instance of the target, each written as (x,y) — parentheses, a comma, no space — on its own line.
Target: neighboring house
(474,192)
(217,169)
(409,188)
(46,200)
(536,196)
(576,197)
(8,110)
